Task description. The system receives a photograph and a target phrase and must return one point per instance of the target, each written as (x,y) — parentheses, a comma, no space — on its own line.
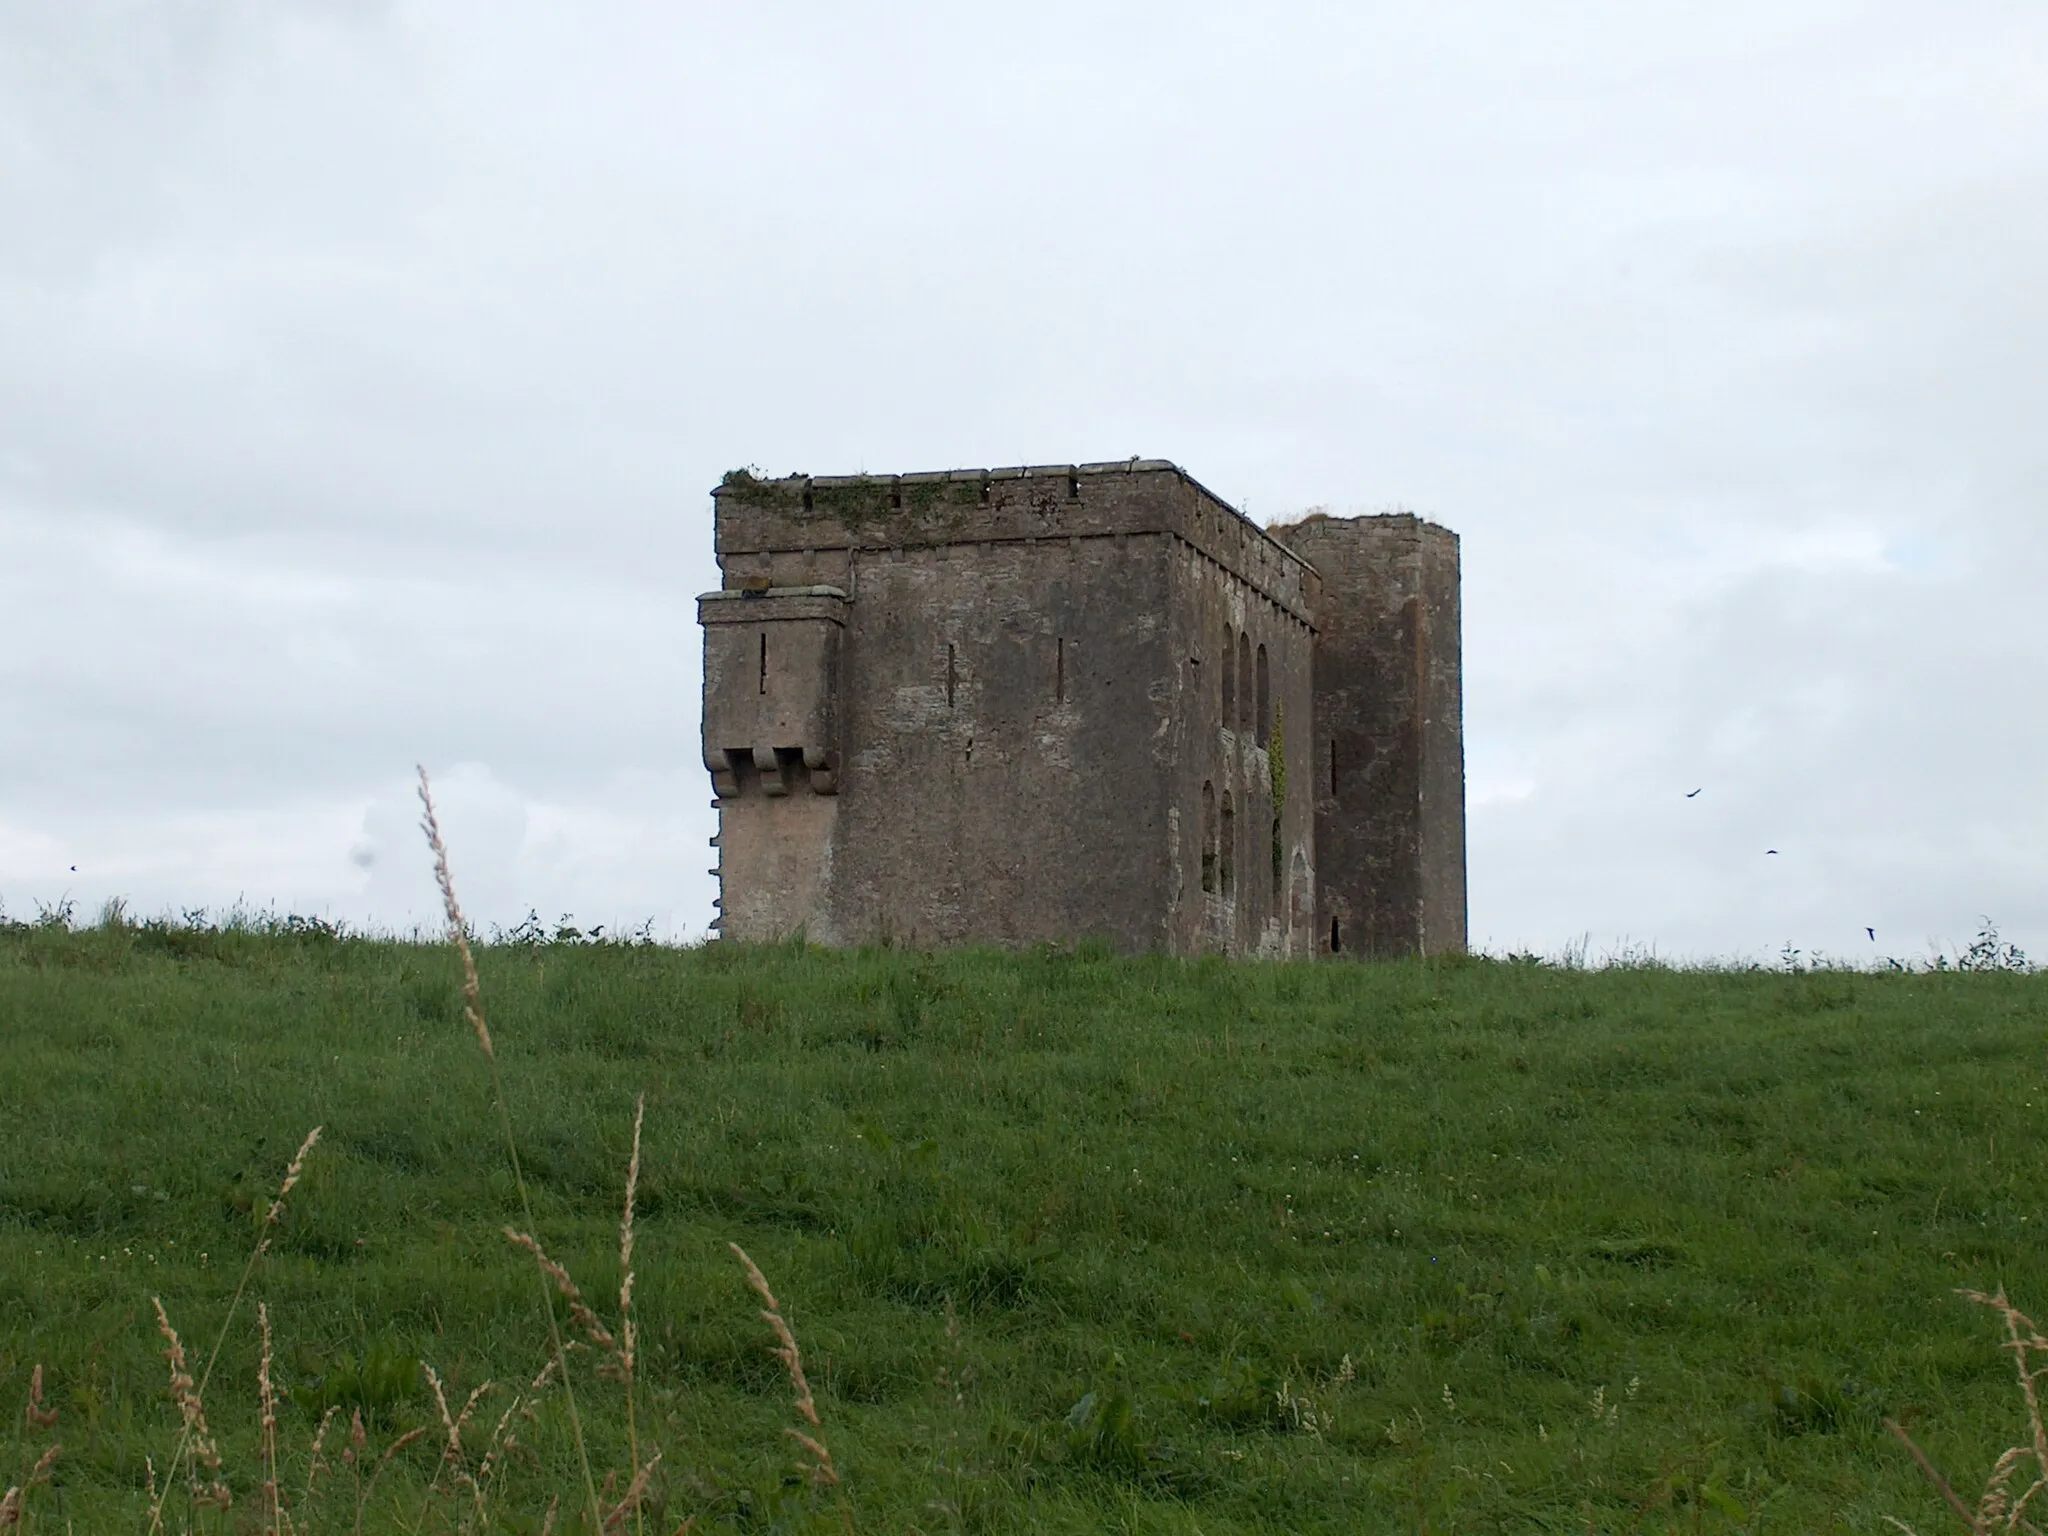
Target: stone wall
(1003,708)
(1240,724)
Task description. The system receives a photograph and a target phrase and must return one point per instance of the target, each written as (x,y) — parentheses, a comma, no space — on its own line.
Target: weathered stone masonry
(1005,706)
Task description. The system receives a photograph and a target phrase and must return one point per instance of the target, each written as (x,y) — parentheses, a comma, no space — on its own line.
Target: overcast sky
(364,368)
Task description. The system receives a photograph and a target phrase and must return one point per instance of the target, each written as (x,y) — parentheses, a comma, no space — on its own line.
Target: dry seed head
(458,929)
(190,1408)
(11,1505)
(1997,1509)
(174,1349)
(390,1453)
(501,1441)
(273,1505)
(636,1491)
(453,1454)
(265,1392)
(469,1406)
(313,1462)
(39,1417)
(786,1349)
(1990,1509)
(579,1310)
(398,1445)
(821,1470)
(292,1174)
(454,1425)
(626,1242)
(756,1279)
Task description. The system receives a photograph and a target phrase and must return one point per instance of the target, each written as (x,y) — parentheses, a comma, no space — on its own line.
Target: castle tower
(1071,701)
(1389,768)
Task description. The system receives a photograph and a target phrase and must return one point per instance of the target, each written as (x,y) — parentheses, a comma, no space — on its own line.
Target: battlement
(823,516)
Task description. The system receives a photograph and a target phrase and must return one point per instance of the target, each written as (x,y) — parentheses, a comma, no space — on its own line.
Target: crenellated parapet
(800,528)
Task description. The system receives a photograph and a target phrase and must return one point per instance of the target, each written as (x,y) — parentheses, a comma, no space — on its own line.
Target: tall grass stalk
(626,1329)
(266,1396)
(473,1010)
(819,1469)
(194,1414)
(1999,1510)
(14,1503)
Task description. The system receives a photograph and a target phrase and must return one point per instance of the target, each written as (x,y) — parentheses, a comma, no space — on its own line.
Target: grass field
(1071,1242)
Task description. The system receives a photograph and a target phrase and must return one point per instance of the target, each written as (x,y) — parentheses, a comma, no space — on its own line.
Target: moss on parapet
(873,509)
(1276,754)
(758,515)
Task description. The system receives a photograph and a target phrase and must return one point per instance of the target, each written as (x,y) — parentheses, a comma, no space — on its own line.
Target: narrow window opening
(1059,676)
(1226,873)
(764,661)
(950,676)
(1229,680)
(1073,486)
(1265,714)
(807,496)
(896,494)
(1209,837)
(1336,938)
(1244,681)
(1333,765)
(984,492)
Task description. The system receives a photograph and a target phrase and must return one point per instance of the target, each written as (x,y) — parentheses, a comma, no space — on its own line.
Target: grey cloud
(363,367)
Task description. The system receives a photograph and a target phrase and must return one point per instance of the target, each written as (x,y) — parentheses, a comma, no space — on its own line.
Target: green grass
(1071,1242)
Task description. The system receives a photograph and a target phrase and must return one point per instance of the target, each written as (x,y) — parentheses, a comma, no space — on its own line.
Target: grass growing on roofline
(1071,1242)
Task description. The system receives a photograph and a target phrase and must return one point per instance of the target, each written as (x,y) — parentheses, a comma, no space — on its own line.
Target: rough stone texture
(1006,706)
(1224,760)
(1390,771)
(786,738)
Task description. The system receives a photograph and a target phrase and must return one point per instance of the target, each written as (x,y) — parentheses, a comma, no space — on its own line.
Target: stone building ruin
(1072,701)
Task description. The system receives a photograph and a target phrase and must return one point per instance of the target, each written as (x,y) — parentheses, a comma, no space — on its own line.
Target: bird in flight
(1873,934)
(1770,850)
(1689,794)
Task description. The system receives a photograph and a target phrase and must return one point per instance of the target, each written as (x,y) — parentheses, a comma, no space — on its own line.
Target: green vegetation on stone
(1071,1242)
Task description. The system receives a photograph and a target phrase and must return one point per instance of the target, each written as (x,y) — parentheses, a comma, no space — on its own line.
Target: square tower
(1007,707)
(1389,771)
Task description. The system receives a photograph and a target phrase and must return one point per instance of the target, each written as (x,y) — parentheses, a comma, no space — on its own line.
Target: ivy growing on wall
(1276,755)
(1276,771)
